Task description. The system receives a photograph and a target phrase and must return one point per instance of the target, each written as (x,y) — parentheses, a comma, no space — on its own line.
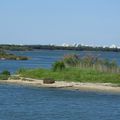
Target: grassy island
(72,72)
(9,56)
(77,69)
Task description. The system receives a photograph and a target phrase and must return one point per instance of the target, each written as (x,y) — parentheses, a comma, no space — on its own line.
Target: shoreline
(100,87)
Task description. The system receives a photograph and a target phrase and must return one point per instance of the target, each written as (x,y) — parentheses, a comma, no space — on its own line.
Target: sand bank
(108,87)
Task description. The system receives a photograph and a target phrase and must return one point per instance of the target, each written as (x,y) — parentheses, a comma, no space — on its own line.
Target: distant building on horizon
(79,45)
(113,46)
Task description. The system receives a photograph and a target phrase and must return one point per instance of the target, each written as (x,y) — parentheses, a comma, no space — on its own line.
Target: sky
(90,22)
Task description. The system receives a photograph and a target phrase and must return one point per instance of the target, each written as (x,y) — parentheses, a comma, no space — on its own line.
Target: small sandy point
(108,87)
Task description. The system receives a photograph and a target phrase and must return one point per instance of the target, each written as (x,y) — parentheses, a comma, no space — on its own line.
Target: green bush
(4,75)
(58,66)
(5,72)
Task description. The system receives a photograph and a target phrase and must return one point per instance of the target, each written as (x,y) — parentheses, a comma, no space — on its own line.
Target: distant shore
(77,47)
(103,87)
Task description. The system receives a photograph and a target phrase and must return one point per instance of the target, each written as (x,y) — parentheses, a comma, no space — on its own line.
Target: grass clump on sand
(4,75)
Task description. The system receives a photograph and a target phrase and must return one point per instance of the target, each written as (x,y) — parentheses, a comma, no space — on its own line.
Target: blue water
(29,103)
(45,58)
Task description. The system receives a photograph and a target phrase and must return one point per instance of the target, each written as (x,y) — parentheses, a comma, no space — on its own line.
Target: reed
(92,62)
(58,66)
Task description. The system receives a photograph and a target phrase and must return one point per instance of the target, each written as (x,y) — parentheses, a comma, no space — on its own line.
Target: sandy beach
(107,87)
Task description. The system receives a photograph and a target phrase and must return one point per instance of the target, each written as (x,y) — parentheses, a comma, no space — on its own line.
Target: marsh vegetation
(79,69)
(8,56)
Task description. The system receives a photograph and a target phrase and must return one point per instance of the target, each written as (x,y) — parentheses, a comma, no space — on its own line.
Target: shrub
(58,66)
(4,75)
(71,60)
(5,72)
(48,81)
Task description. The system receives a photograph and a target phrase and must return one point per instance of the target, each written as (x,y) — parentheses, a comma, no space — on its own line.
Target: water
(45,58)
(29,103)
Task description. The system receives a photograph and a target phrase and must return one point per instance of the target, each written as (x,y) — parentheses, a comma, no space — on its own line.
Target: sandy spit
(108,87)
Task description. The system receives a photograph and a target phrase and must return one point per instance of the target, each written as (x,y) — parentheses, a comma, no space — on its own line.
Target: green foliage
(4,75)
(53,47)
(6,72)
(91,62)
(15,47)
(58,66)
(21,70)
(71,60)
(79,69)
(9,56)
(73,74)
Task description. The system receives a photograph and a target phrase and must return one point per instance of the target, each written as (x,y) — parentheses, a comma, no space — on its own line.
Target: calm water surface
(44,58)
(29,103)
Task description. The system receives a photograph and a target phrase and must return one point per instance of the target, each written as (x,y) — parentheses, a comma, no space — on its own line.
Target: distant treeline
(52,47)
(80,48)
(15,47)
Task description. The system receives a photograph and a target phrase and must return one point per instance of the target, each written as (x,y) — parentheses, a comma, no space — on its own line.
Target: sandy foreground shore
(107,87)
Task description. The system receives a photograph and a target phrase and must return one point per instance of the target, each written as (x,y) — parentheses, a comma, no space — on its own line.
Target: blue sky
(94,22)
